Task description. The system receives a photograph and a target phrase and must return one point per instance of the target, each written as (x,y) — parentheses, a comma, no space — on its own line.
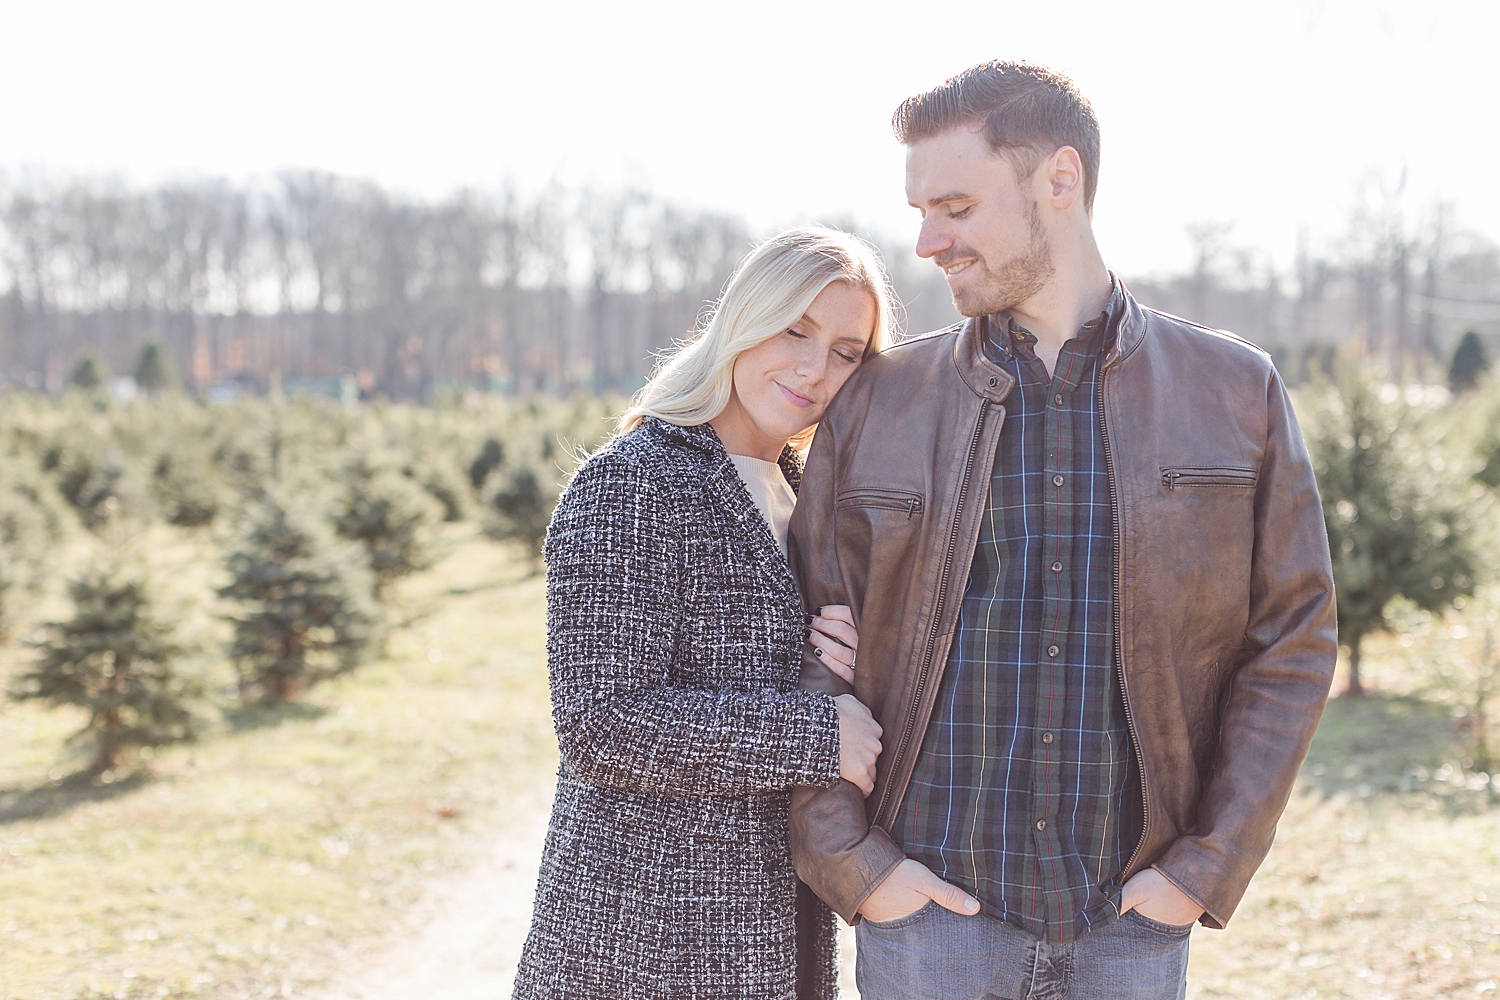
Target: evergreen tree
(389,515)
(1470,363)
(185,487)
(118,657)
(491,456)
(93,475)
(1486,415)
(1458,654)
(543,443)
(440,478)
(1399,513)
(89,373)
(155,372)
(519,507)
(31,524)
(305,611)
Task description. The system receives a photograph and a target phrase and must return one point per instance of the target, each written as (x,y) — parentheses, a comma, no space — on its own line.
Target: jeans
(939,954)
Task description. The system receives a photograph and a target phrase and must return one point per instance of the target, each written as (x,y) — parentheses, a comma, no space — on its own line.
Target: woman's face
(784,385)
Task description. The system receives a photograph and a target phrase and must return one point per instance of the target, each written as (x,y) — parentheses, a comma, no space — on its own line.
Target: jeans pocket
(906,921)
(1157,927)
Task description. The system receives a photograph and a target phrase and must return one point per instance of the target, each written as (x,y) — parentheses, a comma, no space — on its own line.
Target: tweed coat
(674,641)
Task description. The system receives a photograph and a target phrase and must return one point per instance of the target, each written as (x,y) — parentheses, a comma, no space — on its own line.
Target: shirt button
(1046,737)
(1057,567)
(1053,650)
(1041,824)
(1057,399)
(1057,480)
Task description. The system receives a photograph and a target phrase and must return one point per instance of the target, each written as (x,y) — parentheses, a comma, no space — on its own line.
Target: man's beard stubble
(1014,281)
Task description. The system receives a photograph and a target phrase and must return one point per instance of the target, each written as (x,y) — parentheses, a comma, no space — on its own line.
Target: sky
(1269,117)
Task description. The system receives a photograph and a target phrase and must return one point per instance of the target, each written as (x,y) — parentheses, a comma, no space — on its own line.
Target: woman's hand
(835,642)
(859,742)
(834,639)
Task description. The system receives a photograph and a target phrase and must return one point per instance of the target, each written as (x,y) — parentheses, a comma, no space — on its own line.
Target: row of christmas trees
(309,511)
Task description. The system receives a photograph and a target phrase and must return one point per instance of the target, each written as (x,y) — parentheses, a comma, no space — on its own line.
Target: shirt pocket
(1175,477)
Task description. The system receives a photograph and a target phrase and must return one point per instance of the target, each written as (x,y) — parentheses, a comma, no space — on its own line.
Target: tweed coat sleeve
(616,556)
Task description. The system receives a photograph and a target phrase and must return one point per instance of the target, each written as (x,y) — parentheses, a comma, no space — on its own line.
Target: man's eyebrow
(943,199)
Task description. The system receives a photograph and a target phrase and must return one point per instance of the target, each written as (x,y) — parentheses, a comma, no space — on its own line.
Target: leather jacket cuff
(860,871)
(1188,867)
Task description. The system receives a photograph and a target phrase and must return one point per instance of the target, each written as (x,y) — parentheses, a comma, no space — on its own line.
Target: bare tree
(310,274)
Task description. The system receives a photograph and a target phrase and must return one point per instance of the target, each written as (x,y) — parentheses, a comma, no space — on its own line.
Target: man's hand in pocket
(908,888)
(1151,895)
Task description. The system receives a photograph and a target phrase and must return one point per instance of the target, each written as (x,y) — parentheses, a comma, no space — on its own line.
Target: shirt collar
(1003,333)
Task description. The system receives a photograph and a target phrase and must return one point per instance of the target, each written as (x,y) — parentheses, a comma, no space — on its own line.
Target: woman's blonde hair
(769,291)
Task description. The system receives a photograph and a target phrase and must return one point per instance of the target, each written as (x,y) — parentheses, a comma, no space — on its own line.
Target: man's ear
(1063,175)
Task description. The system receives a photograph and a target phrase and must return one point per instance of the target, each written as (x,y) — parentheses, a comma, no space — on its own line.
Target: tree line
(559,291)
(314,274)
(1404,285)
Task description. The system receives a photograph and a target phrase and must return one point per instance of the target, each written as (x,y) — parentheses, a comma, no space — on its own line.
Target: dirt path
(463,939)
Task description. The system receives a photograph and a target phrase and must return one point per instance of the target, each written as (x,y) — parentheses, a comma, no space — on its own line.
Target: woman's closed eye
(847,358)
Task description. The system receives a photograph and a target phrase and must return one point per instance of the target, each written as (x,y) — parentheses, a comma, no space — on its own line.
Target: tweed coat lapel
(723,483)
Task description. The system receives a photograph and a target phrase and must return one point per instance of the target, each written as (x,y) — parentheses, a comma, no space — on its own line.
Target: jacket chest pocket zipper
(1207,476)
(908,503)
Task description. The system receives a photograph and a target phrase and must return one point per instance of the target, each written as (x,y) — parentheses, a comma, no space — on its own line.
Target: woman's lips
(795,398)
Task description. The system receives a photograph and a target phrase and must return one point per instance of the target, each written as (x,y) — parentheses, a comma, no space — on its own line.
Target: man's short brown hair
(1027,112)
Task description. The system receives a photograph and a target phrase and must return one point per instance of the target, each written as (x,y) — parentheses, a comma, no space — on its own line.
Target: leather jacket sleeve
(836,851)
(1276,695)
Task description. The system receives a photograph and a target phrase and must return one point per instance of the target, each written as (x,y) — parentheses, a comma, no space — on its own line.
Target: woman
(675,634)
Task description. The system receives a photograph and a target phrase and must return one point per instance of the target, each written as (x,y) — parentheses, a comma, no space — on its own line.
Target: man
(1086,553)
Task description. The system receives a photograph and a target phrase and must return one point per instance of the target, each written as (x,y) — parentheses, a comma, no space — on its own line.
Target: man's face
(980,223)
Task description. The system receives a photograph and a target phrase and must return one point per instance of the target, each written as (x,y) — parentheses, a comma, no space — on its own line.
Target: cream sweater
(771,492)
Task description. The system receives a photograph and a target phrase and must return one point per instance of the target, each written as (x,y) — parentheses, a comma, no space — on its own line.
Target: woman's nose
(812,365)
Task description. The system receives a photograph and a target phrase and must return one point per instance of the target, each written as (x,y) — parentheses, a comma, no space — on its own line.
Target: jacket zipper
(937,611)
(1172,478)
(1118,629)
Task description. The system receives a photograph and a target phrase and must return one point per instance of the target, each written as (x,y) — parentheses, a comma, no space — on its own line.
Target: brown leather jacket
(1224,612)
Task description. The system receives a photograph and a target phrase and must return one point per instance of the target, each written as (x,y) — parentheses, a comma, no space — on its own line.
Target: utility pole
(1430,290)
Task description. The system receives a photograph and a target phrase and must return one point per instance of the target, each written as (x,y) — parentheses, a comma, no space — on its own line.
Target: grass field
(1385,878)
(252,864)
(246,865)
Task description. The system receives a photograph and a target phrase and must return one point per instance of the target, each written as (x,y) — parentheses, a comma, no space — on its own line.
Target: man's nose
(931,239)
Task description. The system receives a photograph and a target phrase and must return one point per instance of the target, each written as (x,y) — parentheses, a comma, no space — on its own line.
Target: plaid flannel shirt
(1021,789)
